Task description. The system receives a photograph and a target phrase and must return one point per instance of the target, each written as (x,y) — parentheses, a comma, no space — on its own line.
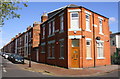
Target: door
(75,54)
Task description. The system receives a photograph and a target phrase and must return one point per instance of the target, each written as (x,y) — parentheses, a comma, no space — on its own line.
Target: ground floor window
(88,49)
(100,50)
(62,49)
(43,49)
(51,50)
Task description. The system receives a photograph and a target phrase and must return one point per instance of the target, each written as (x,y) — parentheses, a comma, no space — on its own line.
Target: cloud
(112,19)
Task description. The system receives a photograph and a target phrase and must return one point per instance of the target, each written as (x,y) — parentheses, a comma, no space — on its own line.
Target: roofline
(72,7)
(117,33)
(94,12)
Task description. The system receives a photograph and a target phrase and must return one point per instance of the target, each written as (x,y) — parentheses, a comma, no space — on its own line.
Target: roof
(73,6)
(117,33)
(56,11)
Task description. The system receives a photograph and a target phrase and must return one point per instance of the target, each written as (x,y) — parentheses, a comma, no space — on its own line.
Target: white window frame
(71,27)
(88,20)
(89,40)
(101,46)
(101,26)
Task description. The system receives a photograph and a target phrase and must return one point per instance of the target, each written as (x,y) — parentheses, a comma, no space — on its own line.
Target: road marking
(4,70)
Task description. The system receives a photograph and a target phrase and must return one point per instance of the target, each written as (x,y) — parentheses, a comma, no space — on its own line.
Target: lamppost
(29,58)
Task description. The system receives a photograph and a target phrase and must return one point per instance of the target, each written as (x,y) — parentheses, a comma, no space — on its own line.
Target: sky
(35,9)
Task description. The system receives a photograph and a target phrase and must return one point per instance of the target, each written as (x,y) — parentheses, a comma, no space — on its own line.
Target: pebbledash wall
(75,37)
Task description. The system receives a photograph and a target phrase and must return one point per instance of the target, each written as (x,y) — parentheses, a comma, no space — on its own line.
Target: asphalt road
(11,70)
(8,69)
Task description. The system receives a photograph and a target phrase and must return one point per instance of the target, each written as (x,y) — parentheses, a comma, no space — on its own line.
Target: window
(43,36)
(100,50)
(49,28)
(29,36)
(113,43)
(88,49)
(100,26)
(51,51)
(75,43)
(43,49)
(87,22)
(53,27)
(74,20)
(62,49)
(61,23)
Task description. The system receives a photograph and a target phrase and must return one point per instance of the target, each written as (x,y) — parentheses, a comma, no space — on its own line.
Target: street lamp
(29,59)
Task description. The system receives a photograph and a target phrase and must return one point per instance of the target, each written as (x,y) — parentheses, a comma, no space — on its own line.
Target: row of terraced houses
(72,37)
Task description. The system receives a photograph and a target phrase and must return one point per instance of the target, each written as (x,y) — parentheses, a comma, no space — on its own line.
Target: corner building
(75,37)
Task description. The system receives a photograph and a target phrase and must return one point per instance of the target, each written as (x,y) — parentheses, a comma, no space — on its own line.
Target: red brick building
(26,43)
(75,37)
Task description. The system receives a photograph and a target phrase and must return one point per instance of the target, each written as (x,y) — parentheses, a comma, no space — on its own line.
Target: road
(8,69)
(11,70)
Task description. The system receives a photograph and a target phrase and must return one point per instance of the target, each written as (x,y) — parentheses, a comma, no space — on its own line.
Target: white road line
(4,70)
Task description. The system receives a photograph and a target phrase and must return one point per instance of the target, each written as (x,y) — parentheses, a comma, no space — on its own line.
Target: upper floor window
(50,28)
(87,22)
(113,43)
(61,23)
(74,20)
(43,32)
(100,26)
(53,27)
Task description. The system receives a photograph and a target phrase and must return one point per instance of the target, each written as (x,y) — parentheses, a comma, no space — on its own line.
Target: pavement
(63,72)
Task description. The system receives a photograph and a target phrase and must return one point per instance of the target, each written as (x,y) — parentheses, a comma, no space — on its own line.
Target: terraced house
(75,37)
(26,43)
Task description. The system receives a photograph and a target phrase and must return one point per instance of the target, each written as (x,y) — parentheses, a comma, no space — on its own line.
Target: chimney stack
(44,17)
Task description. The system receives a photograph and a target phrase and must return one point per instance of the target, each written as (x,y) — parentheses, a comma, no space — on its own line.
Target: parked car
(7,55)
(11,56)
(3,54)
(17,59)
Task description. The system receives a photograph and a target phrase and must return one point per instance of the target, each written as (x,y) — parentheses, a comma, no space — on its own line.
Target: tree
(8,8)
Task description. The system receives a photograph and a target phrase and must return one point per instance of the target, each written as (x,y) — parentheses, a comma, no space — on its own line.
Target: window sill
(42,52)
(88,58)
(43,38)
(61,31)
(100,57)
(88,30)
(79,29)
(51,35)
(51,57)
(101,33)
(61,58)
